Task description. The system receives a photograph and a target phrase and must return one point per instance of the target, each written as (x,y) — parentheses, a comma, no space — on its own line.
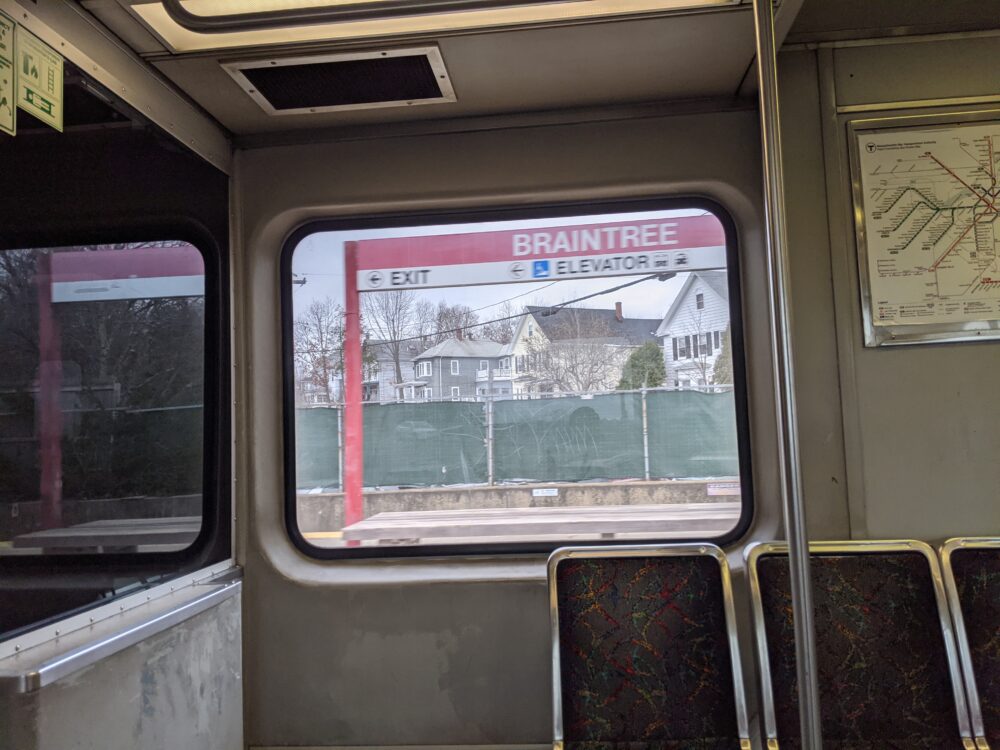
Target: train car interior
(499,374)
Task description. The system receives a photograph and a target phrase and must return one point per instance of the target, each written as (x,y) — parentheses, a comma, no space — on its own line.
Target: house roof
(463,348)
(380,347)
(603,323)
(717,281)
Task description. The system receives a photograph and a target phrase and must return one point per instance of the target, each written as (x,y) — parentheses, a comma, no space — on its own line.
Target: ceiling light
(180,39)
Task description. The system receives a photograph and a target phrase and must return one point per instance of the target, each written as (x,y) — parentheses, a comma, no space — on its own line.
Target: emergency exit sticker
(39,79)
(8,122)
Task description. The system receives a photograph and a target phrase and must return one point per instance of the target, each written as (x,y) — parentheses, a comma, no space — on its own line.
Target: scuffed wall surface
(179,690)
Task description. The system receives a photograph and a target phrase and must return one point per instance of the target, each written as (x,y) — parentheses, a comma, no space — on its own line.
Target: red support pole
(49,393)
(353,418)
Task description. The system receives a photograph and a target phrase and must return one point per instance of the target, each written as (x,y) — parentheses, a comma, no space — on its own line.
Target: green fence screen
(433,443)
(317,448)
(568,439)
(572,439)
(692,434)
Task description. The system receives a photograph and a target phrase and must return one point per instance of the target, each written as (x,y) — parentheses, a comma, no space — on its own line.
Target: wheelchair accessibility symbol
(540,269)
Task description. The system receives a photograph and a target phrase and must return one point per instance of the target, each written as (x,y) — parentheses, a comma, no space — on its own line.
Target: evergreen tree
(643,369)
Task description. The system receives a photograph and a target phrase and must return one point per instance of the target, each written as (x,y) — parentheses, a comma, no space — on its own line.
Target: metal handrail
(780,310)
(363,11)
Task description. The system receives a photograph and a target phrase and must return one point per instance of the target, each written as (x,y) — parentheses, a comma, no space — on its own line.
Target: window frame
(455,367)
(213,542)
(552,210)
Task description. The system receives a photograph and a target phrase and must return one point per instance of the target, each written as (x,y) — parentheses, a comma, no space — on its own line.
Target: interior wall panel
(922,422)
(443,652)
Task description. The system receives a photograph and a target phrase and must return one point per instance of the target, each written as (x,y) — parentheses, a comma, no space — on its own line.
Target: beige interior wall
(920,424)
(449,651)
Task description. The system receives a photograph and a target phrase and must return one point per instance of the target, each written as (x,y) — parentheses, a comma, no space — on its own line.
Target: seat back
(887,665)
(971,570)
(644,649)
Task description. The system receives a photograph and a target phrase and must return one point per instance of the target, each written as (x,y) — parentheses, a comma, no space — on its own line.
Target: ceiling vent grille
(349,81)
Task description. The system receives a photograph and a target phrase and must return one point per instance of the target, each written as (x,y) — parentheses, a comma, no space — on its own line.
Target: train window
(514,383)
(101,398)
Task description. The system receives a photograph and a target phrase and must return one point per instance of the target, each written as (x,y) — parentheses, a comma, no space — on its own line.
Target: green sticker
(39,71)
(8,120)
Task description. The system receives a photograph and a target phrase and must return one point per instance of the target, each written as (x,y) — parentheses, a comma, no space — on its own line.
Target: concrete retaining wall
(324,511)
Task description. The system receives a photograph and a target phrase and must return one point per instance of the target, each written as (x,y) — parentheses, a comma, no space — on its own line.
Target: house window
(454,367)
(674,340)
(428,394)
(718,339)
(699,301)
(505,363)
(484,365)
(424,369)
(531,330)
(456,392)
(410,392)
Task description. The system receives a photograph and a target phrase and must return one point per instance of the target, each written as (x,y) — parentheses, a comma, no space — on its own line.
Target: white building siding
(693,364)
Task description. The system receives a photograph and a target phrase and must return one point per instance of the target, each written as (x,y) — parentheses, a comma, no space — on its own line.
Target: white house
(694,328)
(574,349)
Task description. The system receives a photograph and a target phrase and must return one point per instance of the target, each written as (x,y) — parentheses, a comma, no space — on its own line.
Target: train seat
(887,663)
(645,655)
(971,568)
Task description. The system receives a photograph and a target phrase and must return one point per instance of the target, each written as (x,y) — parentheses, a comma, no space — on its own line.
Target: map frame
(875,333)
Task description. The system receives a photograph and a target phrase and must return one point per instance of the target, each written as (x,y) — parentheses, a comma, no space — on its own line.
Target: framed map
(927,217)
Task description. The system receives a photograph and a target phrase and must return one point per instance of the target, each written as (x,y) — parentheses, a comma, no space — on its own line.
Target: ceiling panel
(849,19)
(680,57)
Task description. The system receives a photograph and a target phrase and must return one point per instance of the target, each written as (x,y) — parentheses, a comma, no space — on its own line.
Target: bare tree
(698,362)
(500,330)
(448,318)
(319,345)
(390,317)
(578,354)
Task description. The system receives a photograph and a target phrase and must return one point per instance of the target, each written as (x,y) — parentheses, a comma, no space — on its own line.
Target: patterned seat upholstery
(644,654)
(976,574)
(883,664)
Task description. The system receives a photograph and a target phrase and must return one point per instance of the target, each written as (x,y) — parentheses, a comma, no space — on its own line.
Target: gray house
(380,377)
(461,369)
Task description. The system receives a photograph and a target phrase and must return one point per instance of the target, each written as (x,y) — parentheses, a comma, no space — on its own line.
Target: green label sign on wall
(8,122)
(39,71)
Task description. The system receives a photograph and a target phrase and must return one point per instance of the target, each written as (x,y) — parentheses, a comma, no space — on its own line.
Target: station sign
(139,273)
(578,251)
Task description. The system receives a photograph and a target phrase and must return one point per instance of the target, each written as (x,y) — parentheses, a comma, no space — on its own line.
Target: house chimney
(459,335)
(618,312)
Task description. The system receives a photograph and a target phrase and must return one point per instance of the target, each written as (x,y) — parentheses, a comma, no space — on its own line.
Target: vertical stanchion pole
(353,418)
(780,312)
(49,394)
(340,447)
(645,436)
(489,440)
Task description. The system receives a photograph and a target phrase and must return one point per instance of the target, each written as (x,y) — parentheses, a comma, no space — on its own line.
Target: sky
(318,260)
